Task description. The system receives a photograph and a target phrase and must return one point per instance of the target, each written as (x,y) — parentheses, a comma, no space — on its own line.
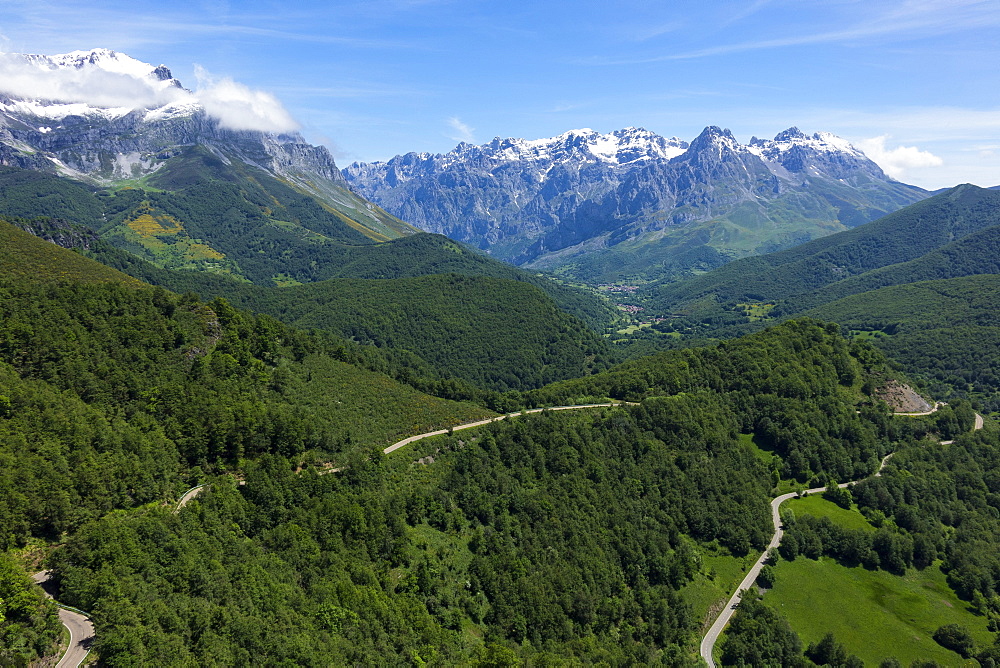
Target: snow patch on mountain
(103,59)
(820,142)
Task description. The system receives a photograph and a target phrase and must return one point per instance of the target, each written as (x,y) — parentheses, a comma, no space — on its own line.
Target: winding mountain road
(708,642)
(479,423)
(81,630)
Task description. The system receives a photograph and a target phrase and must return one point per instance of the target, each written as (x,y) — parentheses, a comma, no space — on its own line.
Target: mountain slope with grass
(919,283)
(903,236)
(544,536)
(108,377)
(494,333)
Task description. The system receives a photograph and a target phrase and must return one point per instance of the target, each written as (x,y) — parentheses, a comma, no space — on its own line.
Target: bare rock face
(903,398)
(130,146)
(529,201)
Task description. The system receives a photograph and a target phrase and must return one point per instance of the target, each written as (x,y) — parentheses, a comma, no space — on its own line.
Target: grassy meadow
(873,613)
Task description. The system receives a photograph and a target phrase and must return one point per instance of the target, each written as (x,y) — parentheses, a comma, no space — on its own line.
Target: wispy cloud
(350,91)
(462,131)
(651,32)
(94,25)
(897,161)
(913,18)
(750,10)
(567,106)
(918,124)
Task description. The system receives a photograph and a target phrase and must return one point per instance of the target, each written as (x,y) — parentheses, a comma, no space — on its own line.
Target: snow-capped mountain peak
(105,85)
(104,60)
(99,83)
(716,139)
(549,200)
(614,148)
(822,153)
(100,114)
(824,142)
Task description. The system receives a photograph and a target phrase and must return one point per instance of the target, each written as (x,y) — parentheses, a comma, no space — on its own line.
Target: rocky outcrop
(128,146)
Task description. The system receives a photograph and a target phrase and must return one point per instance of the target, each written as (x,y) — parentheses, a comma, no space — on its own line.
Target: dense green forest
(29,623)
(801,405)
(413,256)
(462,326)
(439,324)
(225,221)
(919,283)
(945,332)
(549,536)
(115,395)
(548,539)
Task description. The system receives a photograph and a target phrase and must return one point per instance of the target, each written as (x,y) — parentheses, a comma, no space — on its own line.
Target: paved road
(937,405)
(708,642)
(81,631)
(188,495)
(469,425)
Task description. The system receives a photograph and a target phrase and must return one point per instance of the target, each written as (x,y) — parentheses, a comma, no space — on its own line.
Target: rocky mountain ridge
(554,202)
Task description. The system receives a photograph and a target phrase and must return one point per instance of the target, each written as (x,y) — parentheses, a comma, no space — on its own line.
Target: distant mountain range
(606,206)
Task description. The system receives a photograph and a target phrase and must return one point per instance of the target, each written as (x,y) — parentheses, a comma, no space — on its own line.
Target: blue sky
(915,83)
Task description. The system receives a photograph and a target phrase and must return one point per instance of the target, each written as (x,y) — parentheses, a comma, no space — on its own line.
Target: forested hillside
(219,221)
(946,332)
(920,283)
(898,237)
(114,392)
(589,537)
(548,536)
(524,540)
(496,334)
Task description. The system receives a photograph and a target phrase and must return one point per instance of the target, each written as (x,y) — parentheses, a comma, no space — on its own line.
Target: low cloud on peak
(234,105)
(95,86)
(239,107)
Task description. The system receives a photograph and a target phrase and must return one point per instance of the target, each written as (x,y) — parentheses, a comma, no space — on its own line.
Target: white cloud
(462,131)
(233,104)
(896,161)
(91,85)
(239,107)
